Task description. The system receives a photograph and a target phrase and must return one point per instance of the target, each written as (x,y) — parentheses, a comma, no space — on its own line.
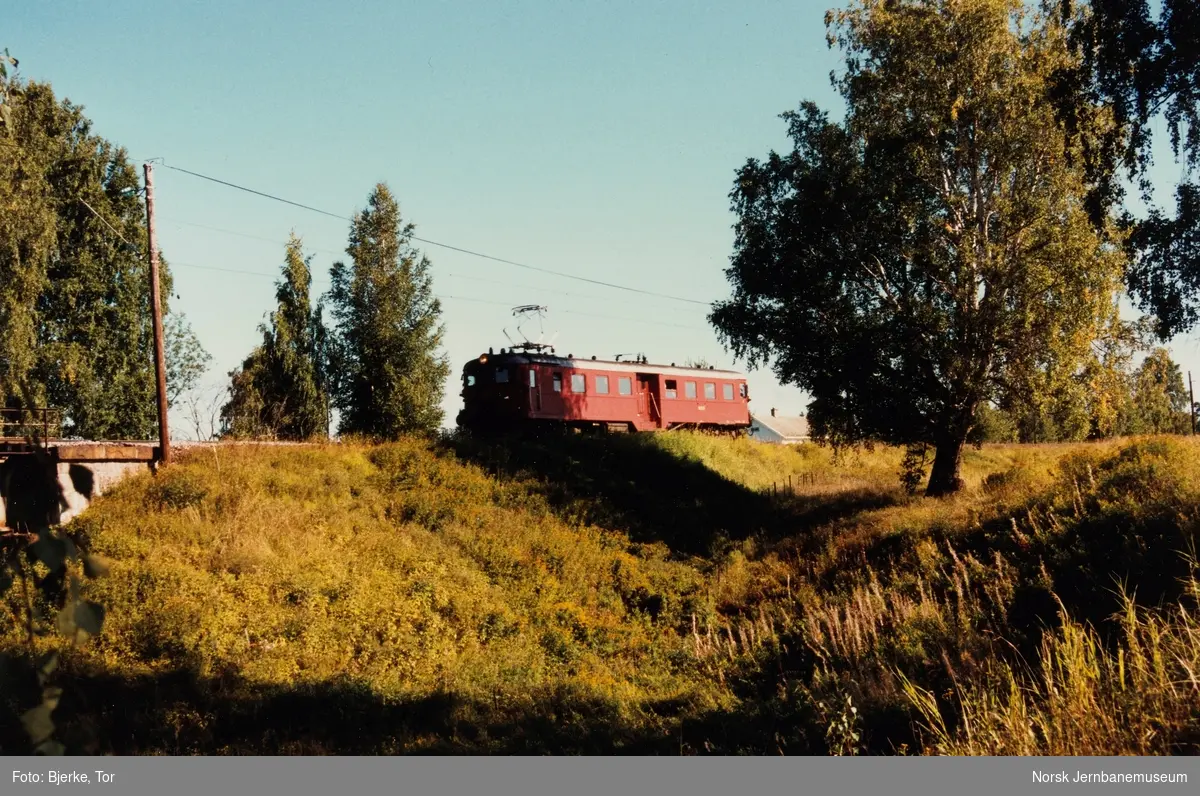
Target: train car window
(578,383)
(689,389)
(502,375)
(558,382)
(602,385)
(710,391)
(625,385)
(671,388)
(532,377)
(742,390)
(469,380)
(727,392)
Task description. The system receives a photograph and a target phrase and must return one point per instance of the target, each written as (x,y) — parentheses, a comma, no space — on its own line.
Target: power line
(459,249)
(310,248)
(256,193)
(246,235)
(448,275)
(538,288)
(446,296)
(173,263)
(110,226)
(636,320)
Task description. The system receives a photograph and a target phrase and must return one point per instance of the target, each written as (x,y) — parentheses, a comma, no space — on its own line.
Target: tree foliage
(41,585)
(1139,61)
(27,226)
(931,252)
(187,361)
(1160,398)
(278,390)
(388,371)
(75,320)
(45,564)
(1114,395)
(246,414)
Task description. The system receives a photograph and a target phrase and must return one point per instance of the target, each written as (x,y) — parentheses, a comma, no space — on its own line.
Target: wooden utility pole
(1192,401)
(160,356)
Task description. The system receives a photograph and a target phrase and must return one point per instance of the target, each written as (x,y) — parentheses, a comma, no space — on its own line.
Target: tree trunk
(944,478)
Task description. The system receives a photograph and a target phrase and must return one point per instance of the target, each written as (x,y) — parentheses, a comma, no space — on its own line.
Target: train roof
(523,358)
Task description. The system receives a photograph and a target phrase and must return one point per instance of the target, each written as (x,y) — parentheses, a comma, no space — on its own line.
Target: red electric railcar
(520,389)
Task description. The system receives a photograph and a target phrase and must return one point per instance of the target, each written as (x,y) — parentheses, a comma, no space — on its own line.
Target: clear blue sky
(599,140)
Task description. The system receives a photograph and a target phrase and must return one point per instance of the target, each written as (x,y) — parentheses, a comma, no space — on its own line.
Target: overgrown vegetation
(929,253)
(1113,395)
(279,390)
(1140,63)
(75,329)
(387,371)
(41,575)
(645,594)
(379,361)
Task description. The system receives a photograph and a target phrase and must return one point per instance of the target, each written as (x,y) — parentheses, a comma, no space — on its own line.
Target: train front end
(491,400)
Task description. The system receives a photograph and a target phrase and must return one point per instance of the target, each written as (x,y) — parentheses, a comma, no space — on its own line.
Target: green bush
(432,596)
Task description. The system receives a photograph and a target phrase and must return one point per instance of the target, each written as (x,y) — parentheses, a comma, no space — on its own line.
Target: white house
(779,429)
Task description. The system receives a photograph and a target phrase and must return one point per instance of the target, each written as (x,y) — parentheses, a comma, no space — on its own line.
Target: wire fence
(793,484)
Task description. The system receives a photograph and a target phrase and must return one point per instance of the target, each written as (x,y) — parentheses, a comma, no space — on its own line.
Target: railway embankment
(639,594)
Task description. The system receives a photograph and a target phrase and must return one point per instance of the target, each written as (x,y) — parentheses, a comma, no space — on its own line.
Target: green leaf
(50,551)
(89,616)
(38,724)
(72,553)
(95,566)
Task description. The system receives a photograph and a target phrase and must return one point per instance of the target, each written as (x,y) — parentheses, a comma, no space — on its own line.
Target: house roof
(786,427)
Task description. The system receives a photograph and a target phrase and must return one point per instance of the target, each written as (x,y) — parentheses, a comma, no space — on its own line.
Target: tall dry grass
(1139,696)
(645,594)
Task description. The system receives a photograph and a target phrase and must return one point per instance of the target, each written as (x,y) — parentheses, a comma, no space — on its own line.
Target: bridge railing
(38,423)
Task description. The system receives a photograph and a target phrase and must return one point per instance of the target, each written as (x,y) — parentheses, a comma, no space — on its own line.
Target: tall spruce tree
(278,391)
(389,369)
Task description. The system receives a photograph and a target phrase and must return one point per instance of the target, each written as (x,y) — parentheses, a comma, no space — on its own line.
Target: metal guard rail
(39,423)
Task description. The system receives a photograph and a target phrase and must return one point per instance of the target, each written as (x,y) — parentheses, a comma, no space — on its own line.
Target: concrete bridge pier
(54,485)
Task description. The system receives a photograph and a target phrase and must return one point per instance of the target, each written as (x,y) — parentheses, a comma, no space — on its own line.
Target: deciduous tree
(1160,398)
(278,392)
(1140,62)
(931,251)
(75,320)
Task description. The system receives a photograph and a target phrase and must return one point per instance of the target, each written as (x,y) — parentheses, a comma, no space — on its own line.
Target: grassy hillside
(643,594)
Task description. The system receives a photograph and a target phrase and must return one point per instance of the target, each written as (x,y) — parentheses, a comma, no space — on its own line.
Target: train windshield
(474,374)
